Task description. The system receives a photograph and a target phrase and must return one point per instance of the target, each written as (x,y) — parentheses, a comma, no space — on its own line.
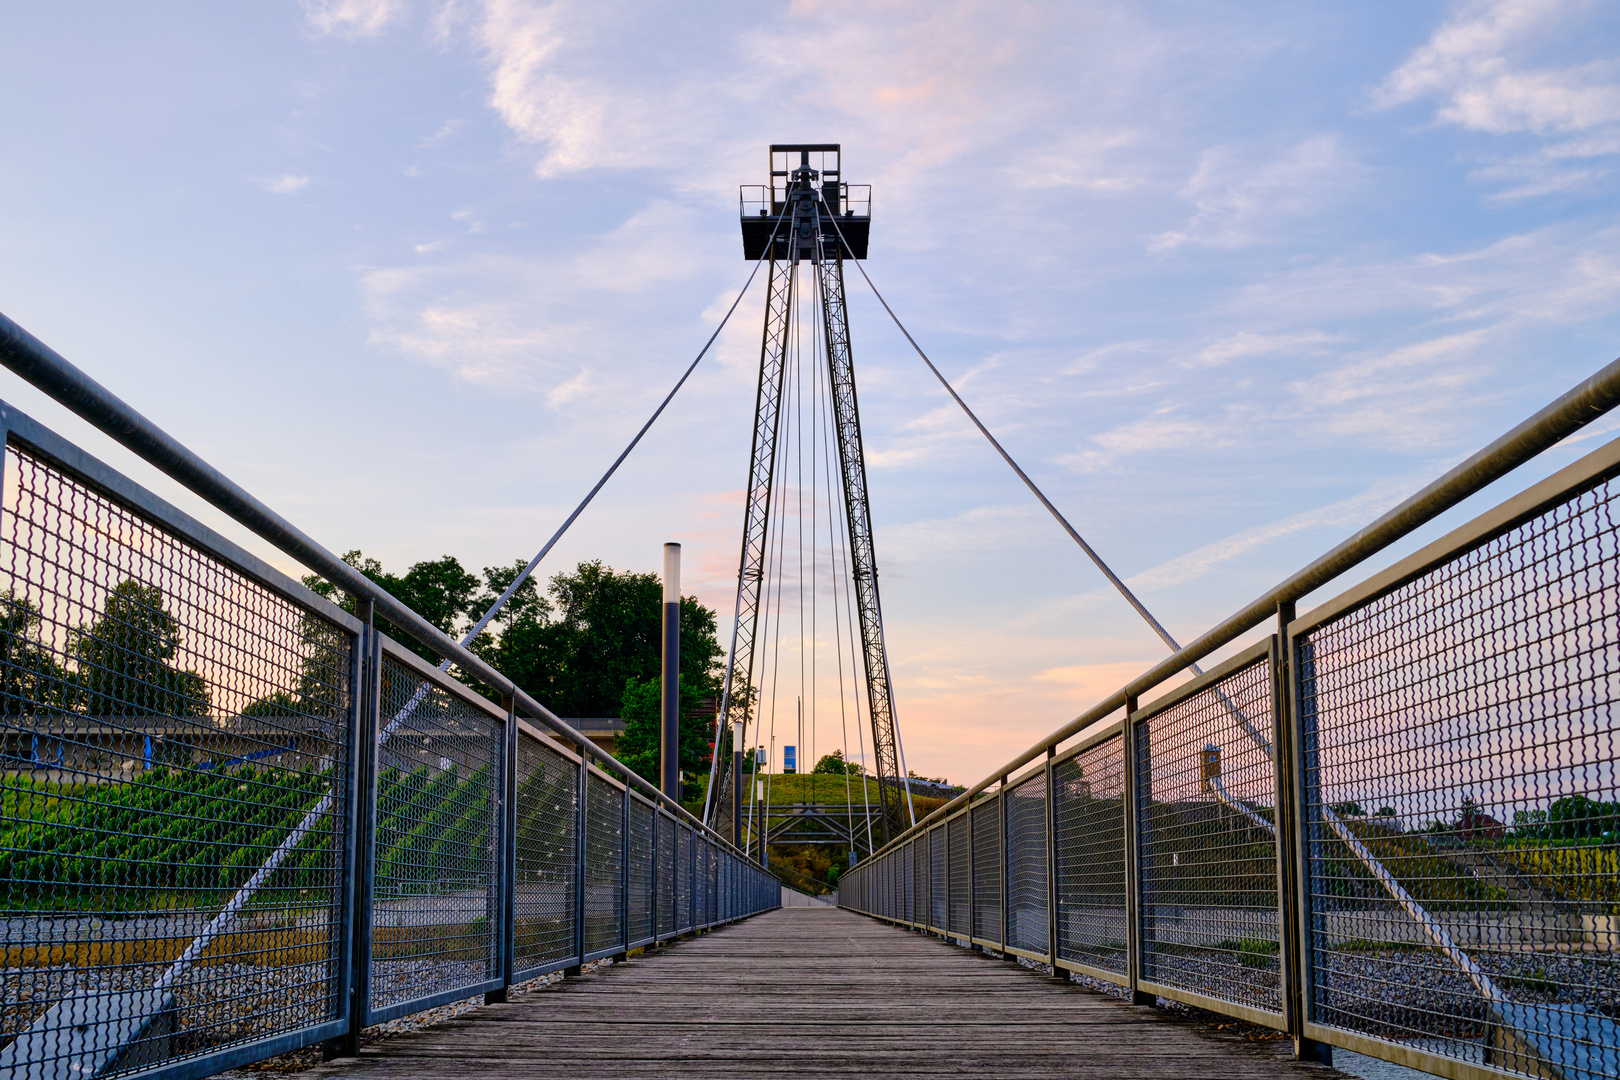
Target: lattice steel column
(736,702)
(863,561)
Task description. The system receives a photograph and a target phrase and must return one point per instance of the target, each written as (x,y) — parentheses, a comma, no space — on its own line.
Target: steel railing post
(1133,858)
(1293,878)
(657,878)
(1006,871)
(580,825)
(972,895)
(356,920)
(624,874)
(506,859)
(1051,866)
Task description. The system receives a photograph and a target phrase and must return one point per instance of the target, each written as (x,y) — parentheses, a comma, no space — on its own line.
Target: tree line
(590,645)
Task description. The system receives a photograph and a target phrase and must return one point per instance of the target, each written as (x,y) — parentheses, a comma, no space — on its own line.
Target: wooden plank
(812,992)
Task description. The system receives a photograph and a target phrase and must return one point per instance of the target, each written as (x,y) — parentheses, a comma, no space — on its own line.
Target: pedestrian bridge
(819,992)
(1387,824)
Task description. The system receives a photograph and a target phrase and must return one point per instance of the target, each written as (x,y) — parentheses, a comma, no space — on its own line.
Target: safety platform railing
(1391,826)
(236,819)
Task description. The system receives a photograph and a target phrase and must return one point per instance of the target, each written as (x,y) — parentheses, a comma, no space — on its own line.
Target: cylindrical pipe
(736,785)
(670,744)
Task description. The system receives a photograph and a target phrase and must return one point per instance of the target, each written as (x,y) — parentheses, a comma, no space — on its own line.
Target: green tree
(574,650)
(640,747)
(123,659)
(601,629)
(31,681)
(440,590)
(835,764)
(1580,817)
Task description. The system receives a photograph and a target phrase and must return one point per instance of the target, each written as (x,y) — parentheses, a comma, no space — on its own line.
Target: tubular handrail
(47,370)
(1573,410)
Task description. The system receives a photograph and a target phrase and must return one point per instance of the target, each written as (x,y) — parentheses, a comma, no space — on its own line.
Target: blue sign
(789,760)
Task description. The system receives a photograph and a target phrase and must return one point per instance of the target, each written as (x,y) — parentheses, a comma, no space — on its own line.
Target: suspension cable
(824,417)
(1124,590)
(517,582)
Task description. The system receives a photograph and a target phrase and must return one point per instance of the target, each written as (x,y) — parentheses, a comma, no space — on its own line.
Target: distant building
(1476,824)
(604,731)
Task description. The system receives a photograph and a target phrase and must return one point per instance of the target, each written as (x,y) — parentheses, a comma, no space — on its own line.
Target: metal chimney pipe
(670,744)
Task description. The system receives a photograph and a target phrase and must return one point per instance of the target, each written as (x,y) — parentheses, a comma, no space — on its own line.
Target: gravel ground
(1411,994)
(310,1056)
(226,1003)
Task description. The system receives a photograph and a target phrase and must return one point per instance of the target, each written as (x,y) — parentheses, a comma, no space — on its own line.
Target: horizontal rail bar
(1582,404)
(47,370)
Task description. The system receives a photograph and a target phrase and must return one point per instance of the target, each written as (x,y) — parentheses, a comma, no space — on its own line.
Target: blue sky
(1228,278)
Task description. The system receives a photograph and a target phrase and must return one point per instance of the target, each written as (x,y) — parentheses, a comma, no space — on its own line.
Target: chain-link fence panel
(921,880)
(666,841)
(1207,807)
(604,853)
(1092,919)
(959,855)
(988,873)
(1026,865)
(639,871)
(544,890)
(175,793)
(686,867)
(700,880)
(1463,817)
(936,878)
(434,861)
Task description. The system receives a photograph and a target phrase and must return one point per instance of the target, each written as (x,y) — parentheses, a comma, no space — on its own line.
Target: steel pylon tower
(808,215)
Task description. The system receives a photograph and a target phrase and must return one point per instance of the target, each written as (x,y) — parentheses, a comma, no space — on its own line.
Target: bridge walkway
(818,992)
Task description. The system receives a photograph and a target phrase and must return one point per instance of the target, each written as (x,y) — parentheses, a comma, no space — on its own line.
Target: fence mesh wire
(1092,918)
(176,807)
(959,917)
(1207,799)
(434,864)
(665,842)
(604,853)
(920,880)
(700,880)
(686,868)
(639,870)
(936,878)
(168,725)
(988,873)
(1026,865)
(1460,749)
(544,890)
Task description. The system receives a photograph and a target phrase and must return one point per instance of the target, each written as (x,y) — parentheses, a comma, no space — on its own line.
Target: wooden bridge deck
(817,992)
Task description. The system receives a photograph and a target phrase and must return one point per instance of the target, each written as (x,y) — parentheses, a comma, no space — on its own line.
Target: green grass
(189,838)
(1579,870)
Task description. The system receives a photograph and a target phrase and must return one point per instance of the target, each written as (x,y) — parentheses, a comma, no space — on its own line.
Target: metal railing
(1392,827)
(236,820)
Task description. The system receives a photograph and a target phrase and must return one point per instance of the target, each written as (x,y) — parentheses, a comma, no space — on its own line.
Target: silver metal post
(1133,859)
(581,823)
(670,744)
(1051,866)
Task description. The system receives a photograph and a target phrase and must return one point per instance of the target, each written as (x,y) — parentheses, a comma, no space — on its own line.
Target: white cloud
(563,393)
(1353,512)
(286,184)
(1249,343)
(1469,63)
(1240,201)
(1479,65)
(350,18)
